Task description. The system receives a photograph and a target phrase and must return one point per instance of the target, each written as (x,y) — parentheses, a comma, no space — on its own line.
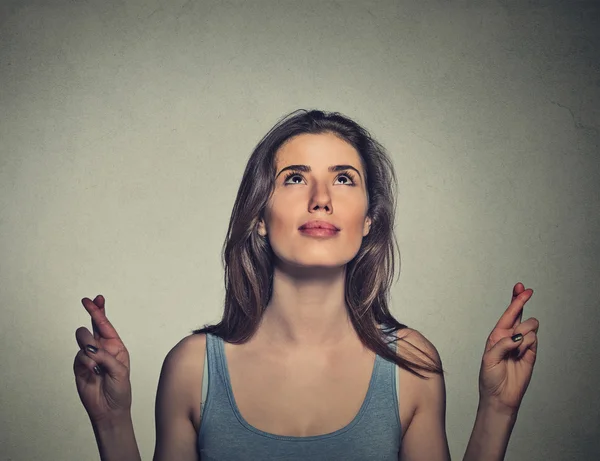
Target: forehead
(323,148)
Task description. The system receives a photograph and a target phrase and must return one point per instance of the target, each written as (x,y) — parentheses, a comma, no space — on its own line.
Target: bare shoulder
(418,345)
(183,367)
(188,347)
(186,358)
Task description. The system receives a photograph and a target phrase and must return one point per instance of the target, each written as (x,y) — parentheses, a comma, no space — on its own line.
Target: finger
(102,324)
(513,311)
(531,324)
(517,290)
(504,347)
(98,301)
(84,337)
(84,364)
(107,362)
(529,342)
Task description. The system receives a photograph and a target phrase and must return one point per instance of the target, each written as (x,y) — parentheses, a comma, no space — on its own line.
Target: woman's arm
(506,369)
(116,440)
(426,440)
(175,433)
(178,388)
(490,435)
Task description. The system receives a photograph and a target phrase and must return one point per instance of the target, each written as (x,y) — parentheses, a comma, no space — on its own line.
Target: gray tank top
(224,435)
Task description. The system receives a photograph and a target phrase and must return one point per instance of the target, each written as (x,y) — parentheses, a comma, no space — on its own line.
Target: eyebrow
(308,169)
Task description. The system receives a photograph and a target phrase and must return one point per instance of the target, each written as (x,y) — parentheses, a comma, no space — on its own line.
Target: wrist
(497,411)
(112,423)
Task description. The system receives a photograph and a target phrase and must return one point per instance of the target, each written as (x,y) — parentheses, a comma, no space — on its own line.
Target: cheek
(281,225)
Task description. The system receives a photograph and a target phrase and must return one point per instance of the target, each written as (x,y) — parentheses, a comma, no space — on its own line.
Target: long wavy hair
(248,258)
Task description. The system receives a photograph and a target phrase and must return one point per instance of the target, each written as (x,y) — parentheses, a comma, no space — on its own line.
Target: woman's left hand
(506,366)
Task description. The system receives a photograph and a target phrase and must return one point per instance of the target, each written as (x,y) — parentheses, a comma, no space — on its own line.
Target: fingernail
(517,337)
(97,369)
(91,348)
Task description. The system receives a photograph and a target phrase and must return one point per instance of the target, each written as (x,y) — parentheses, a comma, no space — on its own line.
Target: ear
(262,229)
(367,226)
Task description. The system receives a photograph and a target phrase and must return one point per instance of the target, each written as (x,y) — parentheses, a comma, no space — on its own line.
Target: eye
(348,175)
(343,174)
(290,175)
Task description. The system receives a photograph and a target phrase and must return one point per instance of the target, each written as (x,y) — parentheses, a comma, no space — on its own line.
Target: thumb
(107,362)
(503,347)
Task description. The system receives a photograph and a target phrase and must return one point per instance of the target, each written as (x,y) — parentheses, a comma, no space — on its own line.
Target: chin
(320,263)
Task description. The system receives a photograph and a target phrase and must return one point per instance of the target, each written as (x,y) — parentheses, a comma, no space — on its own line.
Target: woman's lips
(319,232)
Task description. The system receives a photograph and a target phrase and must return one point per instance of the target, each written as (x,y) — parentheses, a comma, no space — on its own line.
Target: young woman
(307,362)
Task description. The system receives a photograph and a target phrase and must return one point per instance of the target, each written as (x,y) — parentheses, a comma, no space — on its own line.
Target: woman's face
(338,197)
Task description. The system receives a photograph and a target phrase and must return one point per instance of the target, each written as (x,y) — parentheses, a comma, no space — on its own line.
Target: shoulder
(186,356)
(184,364)
(187,349)
(417,345)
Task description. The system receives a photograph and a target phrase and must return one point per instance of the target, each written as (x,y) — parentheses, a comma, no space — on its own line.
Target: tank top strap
(213,378)
(205,376)
(391,337)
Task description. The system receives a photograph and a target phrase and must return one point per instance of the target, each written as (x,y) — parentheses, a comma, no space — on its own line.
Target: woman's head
(318,177)
(264,205)
(270,206)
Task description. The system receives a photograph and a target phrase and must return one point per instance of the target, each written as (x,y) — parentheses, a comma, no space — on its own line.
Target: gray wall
(124,132)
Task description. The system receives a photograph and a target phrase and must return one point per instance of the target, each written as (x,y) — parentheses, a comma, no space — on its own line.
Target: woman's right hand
(105,396)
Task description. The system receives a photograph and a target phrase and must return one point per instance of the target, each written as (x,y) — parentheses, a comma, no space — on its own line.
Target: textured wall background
(124,132)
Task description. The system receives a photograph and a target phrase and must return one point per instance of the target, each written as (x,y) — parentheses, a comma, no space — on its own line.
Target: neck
(307,310)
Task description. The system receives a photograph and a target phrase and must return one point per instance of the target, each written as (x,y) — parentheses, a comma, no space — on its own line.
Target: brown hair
(247,257)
